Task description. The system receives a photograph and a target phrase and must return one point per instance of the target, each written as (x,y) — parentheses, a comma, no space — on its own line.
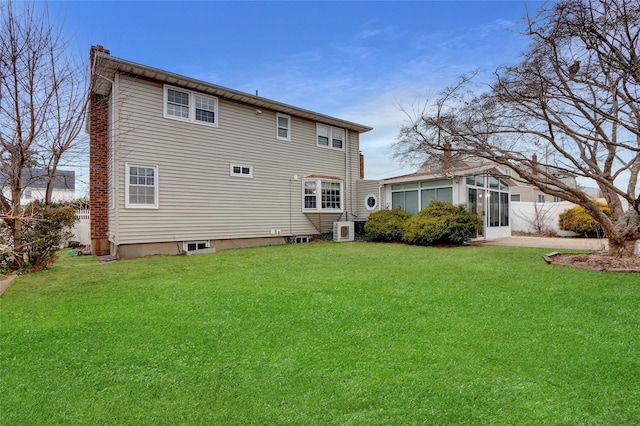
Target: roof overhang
(106,67)
(448,174)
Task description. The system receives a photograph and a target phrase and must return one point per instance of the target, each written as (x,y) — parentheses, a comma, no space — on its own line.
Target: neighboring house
(528,193)
(483,187)
(34,185)
(178,165)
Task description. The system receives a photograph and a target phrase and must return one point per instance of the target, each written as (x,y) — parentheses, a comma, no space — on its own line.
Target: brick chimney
(534,164)
(98,164)
(361,166)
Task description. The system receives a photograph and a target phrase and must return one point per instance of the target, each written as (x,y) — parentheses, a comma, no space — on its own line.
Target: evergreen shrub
(386,225)
(441,223)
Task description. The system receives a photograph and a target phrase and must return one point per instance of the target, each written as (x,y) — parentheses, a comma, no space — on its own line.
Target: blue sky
(360,61)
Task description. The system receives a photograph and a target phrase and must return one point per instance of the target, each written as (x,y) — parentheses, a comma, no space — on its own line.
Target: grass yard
(322,333)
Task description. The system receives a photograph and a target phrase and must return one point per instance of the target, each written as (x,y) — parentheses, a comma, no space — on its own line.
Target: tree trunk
(621,247)
(624,234)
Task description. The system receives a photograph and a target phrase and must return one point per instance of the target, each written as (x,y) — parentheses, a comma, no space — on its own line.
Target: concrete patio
(594,244)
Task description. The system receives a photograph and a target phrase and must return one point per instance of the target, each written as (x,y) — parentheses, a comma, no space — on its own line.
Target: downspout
(113,203)
(347,167)
(290,209)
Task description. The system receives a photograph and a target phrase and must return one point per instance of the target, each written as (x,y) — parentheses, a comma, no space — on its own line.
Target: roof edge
(108,64)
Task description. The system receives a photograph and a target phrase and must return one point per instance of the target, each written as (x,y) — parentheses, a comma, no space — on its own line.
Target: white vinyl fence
(534,218)
(80,231)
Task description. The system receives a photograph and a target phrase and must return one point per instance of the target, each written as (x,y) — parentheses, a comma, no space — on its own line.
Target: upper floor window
(322,195)
(330,137)
(284,127)
(190,106)
(141,188)
(205,109)
(177,103)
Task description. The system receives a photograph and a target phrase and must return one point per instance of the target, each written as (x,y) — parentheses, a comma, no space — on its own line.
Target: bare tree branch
(573,101)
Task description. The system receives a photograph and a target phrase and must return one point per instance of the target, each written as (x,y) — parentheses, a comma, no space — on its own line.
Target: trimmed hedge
(386,225)
(441,223)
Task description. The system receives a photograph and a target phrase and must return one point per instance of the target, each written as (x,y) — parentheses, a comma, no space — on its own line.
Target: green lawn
(322,333)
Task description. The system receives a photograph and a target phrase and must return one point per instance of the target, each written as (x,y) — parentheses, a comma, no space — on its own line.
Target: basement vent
(302,239)
(343,231)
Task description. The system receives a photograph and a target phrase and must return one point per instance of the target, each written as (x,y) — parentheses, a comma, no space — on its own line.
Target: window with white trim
(205,109)
(322,195)
(186,105)
(240,170)
(371,202)
(141,188)
(283,123)
(191,246)
(330,137)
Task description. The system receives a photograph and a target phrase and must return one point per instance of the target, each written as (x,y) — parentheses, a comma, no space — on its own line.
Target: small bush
(441,223)
(579,221)
(44,229)
(386,225)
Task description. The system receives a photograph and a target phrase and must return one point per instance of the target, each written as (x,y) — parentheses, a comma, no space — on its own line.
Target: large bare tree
(571,107)
(42,107)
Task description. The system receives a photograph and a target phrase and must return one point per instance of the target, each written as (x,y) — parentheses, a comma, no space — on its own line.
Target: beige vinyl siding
(198,199)
(366,187)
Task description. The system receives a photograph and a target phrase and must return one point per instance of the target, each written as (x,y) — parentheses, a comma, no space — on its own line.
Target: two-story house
(179,165)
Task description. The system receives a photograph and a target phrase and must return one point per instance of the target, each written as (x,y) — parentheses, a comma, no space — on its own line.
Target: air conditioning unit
(342,231)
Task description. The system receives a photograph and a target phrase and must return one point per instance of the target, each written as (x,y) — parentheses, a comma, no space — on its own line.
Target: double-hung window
(186,105)
(283,123)
(177,103)
(330,137)
(205,109)
(322,195)
(141,189)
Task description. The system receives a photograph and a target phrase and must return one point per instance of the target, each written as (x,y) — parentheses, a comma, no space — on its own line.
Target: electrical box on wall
(343,231)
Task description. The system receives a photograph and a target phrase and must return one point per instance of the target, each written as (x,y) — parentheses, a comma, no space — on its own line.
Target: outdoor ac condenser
(342,231)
